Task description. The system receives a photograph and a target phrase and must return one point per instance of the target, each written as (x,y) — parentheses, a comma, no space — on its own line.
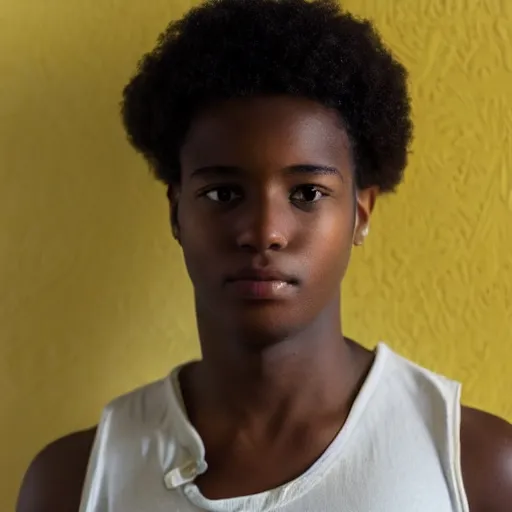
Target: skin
(252,194)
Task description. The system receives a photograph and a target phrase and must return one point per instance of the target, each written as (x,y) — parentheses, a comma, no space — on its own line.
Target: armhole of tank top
(91,473)
(456,469)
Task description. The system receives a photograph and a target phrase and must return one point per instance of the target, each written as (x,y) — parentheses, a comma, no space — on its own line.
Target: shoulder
(486,458)
(54,479)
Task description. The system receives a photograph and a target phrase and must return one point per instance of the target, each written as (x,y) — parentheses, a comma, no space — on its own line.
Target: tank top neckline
(190,441)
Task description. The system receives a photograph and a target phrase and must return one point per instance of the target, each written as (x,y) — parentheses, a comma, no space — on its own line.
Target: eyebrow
(226,171)
(317,170)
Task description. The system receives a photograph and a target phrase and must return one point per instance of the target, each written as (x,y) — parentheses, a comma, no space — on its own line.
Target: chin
(266,326)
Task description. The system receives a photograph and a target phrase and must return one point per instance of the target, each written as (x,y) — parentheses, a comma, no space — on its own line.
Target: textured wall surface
(94,296)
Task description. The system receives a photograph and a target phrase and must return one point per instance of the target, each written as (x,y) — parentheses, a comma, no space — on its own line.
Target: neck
(310,371)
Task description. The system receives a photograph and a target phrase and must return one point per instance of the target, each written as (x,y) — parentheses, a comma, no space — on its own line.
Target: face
(267,213)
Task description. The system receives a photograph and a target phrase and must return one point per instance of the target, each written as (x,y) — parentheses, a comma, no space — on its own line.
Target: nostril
(261,240)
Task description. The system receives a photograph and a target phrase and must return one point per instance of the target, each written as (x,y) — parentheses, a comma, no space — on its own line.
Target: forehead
(269,132)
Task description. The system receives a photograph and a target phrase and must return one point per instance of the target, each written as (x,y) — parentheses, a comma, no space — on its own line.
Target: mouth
(260,284)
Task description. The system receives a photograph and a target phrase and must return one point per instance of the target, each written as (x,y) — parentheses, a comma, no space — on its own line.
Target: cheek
(330,245)
(198,245)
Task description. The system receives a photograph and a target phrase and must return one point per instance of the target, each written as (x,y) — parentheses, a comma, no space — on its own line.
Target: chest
(238,470)
(367,482)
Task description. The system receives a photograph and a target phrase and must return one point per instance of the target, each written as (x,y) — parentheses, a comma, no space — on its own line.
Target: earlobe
(175,227)
(175,232)
(365,203)
(173,196)
(361,234)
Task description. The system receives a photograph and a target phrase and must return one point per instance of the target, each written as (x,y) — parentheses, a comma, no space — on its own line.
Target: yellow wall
(94,296)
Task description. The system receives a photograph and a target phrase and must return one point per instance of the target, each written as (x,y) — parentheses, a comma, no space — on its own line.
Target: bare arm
(486,453)
(54,480)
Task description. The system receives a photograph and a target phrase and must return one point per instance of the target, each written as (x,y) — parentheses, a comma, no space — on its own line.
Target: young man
(276,125)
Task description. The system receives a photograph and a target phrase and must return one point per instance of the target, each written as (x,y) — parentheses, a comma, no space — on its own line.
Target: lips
(253,274)
(262,284)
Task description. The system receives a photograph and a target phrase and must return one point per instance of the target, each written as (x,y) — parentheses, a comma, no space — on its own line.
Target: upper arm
(54,479)
(486,458)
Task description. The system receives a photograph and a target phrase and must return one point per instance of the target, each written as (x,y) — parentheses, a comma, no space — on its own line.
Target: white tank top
(399,451)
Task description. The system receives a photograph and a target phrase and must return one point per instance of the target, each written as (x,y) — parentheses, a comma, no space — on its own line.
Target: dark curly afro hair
(244,48)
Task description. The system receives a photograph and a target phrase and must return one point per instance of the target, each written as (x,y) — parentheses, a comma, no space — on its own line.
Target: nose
(262,226)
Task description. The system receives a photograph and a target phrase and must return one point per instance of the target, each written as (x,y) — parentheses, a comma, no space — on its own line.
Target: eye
(222,195)
(307,194)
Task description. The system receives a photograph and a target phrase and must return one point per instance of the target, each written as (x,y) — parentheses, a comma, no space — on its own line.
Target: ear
(173,195)
(365,202)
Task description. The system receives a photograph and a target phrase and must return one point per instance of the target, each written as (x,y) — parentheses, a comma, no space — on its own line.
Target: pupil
(224,195)
(309,194)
